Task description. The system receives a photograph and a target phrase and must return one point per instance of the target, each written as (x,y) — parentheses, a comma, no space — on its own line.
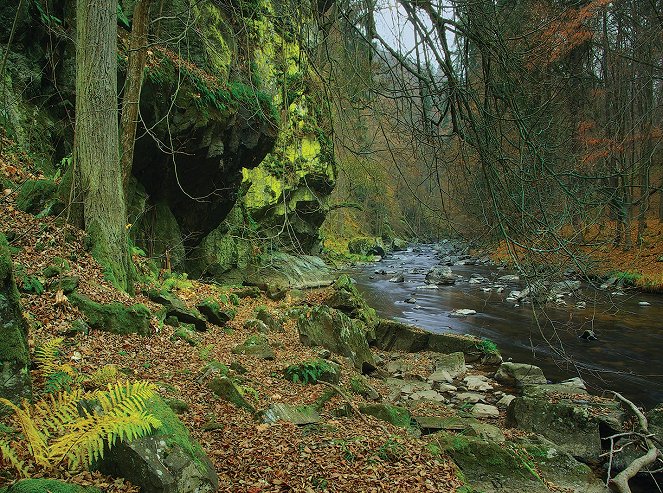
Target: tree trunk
(97,146)
(134,84)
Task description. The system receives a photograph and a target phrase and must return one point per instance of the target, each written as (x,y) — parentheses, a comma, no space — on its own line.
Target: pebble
(644,303)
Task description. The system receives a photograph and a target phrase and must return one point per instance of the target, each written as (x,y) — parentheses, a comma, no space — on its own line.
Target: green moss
(39,197)
(397,416)
(173,431)
(49,485)
(114,317)
(13,341)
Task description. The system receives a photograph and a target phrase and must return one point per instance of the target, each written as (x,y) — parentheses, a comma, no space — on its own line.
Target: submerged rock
(441,276)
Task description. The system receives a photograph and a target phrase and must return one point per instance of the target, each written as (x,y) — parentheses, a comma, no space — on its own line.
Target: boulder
(492,465)
(519,374)
(335,331)
(440,275)
(167,461)
(255,345)
(212,311)
(291,272)
(227,389)
(273,323)
(397,336)
(485,411)
(477,383)
(349,300)
(398,245)
(299,415)
(397,416)
(569,425)
(15,383)
(366,245)
(175,307)
(113,317)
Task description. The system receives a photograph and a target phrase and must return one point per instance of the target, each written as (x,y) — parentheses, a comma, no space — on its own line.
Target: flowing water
(625,358)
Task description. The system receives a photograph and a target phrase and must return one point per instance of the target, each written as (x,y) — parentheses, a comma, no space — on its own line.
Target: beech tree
(96,148)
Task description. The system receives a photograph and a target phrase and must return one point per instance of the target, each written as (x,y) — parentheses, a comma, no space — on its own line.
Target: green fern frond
(37,440)
(7,454)
(47,354)
(125,397)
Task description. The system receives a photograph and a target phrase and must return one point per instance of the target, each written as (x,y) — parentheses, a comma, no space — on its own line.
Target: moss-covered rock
(397,416)
(48,485)
(349,300)
(114,317)
(366,245)
(273,323)
(175,307)
(333,330)
(168,460)
(186,333)
(39,197)
(213,312)
(229,390)
(255,345)
(14,356)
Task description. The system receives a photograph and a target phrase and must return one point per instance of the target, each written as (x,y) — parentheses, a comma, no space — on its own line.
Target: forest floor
(355,453)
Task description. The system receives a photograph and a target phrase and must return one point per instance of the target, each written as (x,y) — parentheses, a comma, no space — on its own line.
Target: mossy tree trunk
(96,147)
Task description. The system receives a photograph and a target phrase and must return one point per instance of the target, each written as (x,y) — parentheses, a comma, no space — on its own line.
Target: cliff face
(232,156)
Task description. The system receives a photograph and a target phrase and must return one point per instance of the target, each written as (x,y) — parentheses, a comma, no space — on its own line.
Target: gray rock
(335,331)
(441,276)
(292,271)
(427,395)
(160,463)
(398,278)
(470,397)
(485,411)
(440,376)
(509,278)
(477,383)
(519,374)
(453,363)
(15,383)
(484,431)
(505,400)
(299,415)
(257,346)
(462,312)
(398,367)
(175,307)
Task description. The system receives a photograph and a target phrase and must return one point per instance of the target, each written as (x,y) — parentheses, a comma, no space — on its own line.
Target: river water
(626,357)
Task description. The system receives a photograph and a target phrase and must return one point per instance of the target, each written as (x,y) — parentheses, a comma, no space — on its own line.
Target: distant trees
(531,117)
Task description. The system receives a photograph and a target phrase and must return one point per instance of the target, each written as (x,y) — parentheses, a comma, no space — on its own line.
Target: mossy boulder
(175,307)
(519,374)
(229,390)
(335,331)
(281,271)
(571,426)
(167,461)
(348,299)
(213,312)
(366,245)
(521,465)
(47,485)
(113,317)
(15,381)
(273,322)
(257,346)
(158,233)
(39,197)
(396,415)
(186,333)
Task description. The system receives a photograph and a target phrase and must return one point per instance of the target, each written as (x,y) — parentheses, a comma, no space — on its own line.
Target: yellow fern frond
(56,411)
(7,454)
(37,440)
(87,438)
(105,376)
(125,397)
(47,354)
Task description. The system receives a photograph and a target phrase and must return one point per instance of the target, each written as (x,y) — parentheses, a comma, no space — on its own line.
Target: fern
(8,455)
(47,355)
(60,428)
(104,376)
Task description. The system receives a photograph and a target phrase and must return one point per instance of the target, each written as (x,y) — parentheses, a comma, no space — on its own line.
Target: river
(625,358)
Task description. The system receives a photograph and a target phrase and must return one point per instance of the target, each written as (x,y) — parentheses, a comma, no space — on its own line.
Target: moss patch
(114,317)
(48,485)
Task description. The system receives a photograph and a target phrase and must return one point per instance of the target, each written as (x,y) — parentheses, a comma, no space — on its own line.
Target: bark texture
(97,141)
